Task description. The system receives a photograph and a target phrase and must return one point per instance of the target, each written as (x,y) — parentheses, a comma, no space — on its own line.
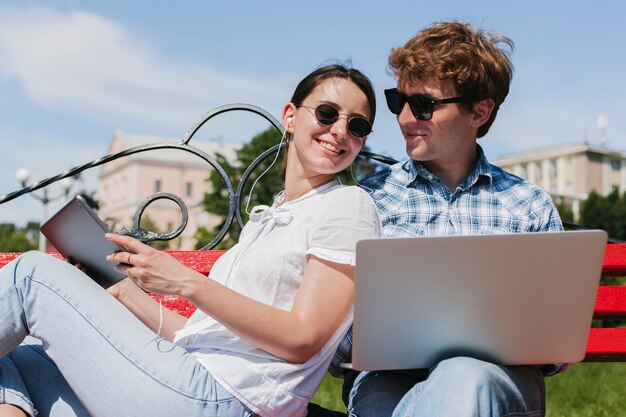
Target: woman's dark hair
(308,84)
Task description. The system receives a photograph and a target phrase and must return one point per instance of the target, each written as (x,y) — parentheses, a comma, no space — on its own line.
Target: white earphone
(288,121)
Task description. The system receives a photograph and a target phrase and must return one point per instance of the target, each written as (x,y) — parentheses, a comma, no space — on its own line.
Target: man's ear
(482,112)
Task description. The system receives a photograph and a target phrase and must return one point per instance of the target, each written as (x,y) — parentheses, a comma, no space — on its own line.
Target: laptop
(77,233)
(513,299)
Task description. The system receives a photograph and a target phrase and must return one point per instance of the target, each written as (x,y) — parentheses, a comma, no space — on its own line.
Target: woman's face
(324,150)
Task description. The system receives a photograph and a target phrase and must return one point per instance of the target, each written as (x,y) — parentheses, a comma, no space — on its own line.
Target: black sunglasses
(326,114)
(421,106)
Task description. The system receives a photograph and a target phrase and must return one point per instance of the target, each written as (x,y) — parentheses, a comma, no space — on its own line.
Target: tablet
(77,233)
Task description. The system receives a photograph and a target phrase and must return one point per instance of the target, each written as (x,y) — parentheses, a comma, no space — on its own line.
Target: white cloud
(91,68)
(85,65)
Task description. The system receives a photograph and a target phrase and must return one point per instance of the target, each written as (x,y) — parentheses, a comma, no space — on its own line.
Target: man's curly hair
(470,58)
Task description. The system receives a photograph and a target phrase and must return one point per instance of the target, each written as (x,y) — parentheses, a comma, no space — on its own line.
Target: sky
(74,72)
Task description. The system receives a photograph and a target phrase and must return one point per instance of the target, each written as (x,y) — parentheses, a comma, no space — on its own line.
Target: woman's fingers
(121,257)
(130,243)
(134,249)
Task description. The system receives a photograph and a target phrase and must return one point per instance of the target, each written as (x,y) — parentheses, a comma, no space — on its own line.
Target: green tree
(565,212)
(607,213)
(16,239)
(217,200)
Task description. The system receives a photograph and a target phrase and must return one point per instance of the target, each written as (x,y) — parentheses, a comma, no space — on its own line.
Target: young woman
(270,315)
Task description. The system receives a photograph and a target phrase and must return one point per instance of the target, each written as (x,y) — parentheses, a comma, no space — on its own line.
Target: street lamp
(22,175)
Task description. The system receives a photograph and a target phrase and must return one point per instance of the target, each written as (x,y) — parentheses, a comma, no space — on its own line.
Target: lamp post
(22,176)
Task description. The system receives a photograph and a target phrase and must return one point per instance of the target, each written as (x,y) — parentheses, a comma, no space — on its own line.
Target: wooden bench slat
(606,345)
(610,303)
(201,261)
(614,263)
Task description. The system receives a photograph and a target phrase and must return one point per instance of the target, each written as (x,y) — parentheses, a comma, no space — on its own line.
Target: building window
(553,165)
(616,164)
(523,171)
(157,186)
(189,189)
(539,170)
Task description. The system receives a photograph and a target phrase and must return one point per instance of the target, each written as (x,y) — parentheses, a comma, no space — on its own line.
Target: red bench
(607,344)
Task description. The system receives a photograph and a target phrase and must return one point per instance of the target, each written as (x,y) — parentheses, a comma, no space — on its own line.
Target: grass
(586,390)
(329,394)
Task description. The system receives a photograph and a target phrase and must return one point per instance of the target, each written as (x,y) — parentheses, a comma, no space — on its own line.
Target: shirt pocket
(504,224)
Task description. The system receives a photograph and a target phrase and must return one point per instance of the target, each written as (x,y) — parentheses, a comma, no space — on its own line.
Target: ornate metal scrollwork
(144,235)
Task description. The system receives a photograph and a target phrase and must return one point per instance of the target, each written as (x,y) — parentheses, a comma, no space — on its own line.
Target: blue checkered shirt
(412,201)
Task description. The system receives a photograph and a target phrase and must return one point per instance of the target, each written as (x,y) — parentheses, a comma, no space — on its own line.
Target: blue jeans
(94,358)
(457,387)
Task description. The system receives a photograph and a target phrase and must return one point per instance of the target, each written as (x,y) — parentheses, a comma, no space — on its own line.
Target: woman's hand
(133,297)
(123,289)
(152,270)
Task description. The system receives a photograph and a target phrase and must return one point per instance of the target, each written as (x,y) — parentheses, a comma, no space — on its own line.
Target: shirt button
(430,177)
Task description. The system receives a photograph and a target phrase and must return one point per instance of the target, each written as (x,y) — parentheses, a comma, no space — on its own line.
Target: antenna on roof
(603,123)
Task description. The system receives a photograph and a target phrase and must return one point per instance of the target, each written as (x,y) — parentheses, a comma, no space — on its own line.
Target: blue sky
(73,72)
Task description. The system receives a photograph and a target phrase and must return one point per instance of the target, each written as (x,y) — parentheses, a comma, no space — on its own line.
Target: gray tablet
(77,233)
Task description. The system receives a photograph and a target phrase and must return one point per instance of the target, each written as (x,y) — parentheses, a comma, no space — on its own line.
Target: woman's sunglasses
(421,106)
(326,114)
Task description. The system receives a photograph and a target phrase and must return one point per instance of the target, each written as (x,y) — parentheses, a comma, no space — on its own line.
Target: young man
(451,81)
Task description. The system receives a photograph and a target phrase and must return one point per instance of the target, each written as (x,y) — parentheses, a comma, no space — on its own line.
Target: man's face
(448,137)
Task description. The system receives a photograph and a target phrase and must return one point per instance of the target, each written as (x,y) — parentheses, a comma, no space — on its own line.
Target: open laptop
(77,233)
(511,299)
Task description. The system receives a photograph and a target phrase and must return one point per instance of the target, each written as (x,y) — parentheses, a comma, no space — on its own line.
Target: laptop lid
(512,299)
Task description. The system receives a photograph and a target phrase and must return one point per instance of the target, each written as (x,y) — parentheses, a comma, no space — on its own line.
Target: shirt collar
(481,172)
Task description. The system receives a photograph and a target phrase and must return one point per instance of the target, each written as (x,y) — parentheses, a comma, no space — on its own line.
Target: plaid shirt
(412,201)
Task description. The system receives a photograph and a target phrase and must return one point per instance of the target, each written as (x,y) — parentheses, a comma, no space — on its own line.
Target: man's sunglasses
(326,114)
(421,106)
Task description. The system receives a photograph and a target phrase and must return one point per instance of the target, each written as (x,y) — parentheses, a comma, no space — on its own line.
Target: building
(126,182)
(570,172)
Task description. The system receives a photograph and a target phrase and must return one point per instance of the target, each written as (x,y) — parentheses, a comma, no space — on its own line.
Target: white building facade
(570,172)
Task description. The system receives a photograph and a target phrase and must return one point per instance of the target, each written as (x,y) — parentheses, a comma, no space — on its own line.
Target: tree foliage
(18,239)
(565,212)
(217,201)
(607,213)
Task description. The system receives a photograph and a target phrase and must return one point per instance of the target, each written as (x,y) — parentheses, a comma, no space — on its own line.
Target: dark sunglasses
(421,106)
(326,114)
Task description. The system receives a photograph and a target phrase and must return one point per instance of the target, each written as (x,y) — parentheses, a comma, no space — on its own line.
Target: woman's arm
(147,309)
(323,299)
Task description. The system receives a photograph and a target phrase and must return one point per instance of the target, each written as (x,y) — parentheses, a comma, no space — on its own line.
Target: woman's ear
(482,112)
(289,117)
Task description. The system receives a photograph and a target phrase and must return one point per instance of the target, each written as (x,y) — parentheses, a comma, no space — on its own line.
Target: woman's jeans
(89,356)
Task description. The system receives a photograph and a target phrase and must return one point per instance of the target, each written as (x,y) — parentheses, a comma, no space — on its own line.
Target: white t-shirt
(267,265)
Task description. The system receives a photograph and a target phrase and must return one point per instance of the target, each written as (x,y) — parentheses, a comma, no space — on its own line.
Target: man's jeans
(457,387)
(95,357)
